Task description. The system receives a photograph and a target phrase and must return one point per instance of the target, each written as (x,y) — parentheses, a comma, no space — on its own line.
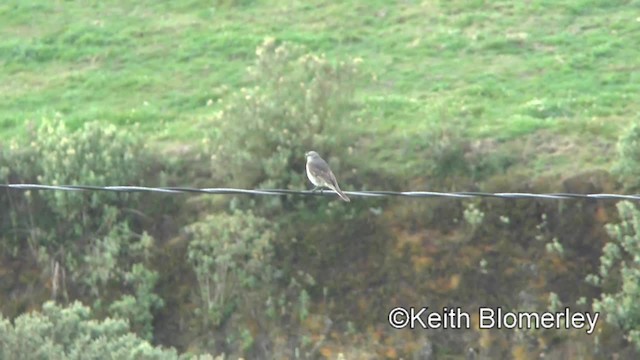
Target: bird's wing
(333,180)
(320,169)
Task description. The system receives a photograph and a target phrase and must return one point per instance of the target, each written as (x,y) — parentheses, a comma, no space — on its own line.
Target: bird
(320,174)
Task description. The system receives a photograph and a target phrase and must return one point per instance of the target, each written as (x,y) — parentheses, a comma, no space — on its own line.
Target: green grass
(499,69)
(539,87)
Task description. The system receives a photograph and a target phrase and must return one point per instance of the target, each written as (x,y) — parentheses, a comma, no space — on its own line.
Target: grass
(498,69)
(543,88)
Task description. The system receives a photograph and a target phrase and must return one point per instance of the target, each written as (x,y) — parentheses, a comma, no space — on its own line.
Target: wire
(282,192)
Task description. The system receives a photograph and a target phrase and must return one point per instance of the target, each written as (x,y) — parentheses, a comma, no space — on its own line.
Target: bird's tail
(342,195)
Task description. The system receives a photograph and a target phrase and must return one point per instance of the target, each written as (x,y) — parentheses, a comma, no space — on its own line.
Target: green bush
(70,333)
(95,154)
(444,153)
(298,102)
(232,258)
(619,274)
(84,238)
(9,241)
(15,167)
(138,308)
(628,163)
(441,153)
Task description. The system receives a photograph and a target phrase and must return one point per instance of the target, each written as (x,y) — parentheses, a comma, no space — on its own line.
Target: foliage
(96,154)
(472,215)
(619,273)
(9,240)
(554,247)
(138,308)
(444,153)
(298,102)
(231,255)
(628,163)
(85,236)
(70,333)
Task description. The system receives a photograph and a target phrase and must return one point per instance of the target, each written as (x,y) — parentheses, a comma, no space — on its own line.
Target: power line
(282,192)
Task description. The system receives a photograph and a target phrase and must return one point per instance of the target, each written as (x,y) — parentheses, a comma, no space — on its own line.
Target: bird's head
(311,155)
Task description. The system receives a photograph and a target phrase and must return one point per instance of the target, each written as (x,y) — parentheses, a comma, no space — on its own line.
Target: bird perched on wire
(320,174)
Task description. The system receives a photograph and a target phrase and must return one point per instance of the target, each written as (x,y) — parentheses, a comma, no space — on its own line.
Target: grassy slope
(497,69)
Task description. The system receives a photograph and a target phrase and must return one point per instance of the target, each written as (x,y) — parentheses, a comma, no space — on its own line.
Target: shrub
(441,153)
(628,163)
(85,236)
(70,333)
(96,155)
(299,102)
(619,274)
(138,308)
(444,156)
(231,256)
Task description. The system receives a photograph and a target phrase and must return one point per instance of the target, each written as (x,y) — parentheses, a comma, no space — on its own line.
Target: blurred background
(497,96)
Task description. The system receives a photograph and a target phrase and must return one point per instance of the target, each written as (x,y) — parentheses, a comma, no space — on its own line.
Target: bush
(444,156)
(299,102)
(440,153)
(70,333)
(138,308)
(85,236)
(619,274)
(93,155)
(628,163)
(231,256)
(97,154)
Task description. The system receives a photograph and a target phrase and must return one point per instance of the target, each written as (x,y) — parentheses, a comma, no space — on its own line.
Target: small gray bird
(320,174)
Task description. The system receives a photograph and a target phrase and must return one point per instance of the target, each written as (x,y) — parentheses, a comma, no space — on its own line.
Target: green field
(499,69)
(506,94)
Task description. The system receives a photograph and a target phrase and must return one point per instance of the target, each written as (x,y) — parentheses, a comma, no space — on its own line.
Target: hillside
(472,95)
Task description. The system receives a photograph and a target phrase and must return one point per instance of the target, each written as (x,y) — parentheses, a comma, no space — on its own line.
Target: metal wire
(282,192)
